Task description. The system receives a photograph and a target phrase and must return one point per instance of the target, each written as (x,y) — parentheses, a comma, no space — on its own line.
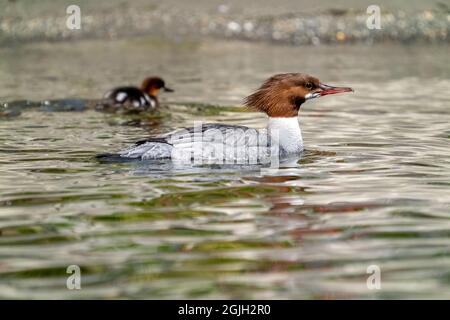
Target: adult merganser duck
(280,97)
(133,98)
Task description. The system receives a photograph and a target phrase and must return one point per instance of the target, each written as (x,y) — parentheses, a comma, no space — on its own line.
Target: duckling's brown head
(153,85)
(282,95)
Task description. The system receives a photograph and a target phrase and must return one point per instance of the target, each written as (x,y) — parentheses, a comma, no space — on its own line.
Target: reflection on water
(371,188)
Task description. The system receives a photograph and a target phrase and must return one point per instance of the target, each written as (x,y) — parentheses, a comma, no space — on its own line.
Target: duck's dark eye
(308,85)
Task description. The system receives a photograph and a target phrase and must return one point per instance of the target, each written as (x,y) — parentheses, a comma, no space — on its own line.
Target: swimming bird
(280,97)
(133,98)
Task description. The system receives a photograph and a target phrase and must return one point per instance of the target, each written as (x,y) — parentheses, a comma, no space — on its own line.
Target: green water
(372,187)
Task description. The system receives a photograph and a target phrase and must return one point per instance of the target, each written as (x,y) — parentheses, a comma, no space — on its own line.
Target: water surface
(372,187)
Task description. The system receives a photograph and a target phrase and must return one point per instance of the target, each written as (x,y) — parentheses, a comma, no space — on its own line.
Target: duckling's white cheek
(121,97)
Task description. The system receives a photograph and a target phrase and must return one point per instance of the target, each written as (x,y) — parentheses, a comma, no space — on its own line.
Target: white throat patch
(289,133)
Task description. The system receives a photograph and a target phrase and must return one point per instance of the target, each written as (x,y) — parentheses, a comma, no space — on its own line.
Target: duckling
(134,99)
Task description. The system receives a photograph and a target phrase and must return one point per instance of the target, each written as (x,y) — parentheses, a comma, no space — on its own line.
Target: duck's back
(206,141)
